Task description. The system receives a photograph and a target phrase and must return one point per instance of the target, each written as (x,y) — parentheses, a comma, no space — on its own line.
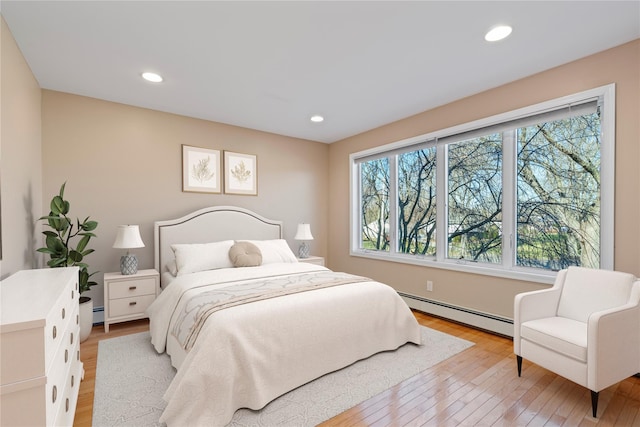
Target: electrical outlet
(429,285)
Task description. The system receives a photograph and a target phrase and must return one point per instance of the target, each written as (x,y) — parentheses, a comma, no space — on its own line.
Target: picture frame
(201,170)
(240,173)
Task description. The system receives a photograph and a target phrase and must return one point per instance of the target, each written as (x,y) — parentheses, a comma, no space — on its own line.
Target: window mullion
(509,188)
(441,202)
(393,204)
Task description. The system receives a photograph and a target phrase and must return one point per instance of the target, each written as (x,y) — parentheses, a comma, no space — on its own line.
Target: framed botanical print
(201,170)
(240,173)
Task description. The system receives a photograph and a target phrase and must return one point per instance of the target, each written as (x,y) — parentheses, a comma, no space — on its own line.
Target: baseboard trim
(497,324)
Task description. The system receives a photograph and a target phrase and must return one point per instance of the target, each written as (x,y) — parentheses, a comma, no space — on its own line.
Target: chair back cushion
(588,290)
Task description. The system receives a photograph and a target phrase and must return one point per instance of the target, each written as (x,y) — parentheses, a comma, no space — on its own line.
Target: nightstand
(318,260)
(126,297)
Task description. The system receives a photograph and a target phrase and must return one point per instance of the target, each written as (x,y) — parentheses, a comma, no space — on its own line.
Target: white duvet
(248,355)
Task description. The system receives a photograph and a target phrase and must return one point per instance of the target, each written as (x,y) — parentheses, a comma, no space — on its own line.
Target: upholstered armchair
(586,328)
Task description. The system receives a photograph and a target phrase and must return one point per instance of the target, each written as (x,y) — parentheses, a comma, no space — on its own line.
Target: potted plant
(62,253)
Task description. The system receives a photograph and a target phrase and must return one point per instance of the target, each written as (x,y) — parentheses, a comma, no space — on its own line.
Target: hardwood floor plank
(478,386)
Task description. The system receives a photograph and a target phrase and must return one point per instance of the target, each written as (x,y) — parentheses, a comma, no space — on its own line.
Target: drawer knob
(72,294)
(132,303)
(133,288)
(71,338)
(54,394)
(73,378)
(66,405)
(55,332)
(66,356)
(63,313)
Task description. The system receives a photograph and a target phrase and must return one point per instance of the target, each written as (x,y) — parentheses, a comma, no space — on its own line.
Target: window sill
(461,266)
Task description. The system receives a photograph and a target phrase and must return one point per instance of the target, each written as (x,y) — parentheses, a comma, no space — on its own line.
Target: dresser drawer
(66,339)
(132,288)
(23,403)
(130,306)
(61,317)
(69,401)
(58,378)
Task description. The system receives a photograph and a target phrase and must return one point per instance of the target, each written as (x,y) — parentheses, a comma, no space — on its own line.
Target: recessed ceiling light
(152,77)
(498,33)
(317,118)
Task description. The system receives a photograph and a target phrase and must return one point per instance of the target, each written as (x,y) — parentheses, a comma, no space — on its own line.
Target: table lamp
(303,234)
(128,237)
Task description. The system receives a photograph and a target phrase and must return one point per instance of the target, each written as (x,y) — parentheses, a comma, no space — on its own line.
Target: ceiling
(271,65)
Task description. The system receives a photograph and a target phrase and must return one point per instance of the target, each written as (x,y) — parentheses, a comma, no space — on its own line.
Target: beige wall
(123,165)
(20,158)
(483,293)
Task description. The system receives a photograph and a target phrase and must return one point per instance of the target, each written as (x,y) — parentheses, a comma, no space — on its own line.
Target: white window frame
(508,269)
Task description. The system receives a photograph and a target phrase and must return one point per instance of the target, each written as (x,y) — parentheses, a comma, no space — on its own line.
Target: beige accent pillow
(245,254)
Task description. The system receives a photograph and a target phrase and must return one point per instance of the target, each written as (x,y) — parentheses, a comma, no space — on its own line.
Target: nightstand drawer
(129,306)
(132,288)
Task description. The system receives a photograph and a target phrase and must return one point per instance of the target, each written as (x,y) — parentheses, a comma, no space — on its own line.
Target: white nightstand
(318,260)
(126,297)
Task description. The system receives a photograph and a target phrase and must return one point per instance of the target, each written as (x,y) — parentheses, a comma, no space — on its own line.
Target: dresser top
(27,296)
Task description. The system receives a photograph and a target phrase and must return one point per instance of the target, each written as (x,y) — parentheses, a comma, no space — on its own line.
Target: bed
(244,322)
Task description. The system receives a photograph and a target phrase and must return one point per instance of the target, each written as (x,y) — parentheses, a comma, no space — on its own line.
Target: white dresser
(40,367)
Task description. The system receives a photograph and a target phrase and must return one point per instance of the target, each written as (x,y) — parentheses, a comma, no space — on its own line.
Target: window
(417,202)
(522,194)
(375,187)
(558,193)
(474,214)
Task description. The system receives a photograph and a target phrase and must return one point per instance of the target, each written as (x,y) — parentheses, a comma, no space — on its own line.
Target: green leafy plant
(59,242)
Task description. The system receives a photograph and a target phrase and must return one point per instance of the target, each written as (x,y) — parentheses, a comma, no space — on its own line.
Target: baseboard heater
(489,322)
(98,315)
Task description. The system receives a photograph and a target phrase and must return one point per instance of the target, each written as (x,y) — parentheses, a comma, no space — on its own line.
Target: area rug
(131,379)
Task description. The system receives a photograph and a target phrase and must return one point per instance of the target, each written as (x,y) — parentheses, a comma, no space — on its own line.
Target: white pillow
(194,257)
(273,251)
(172,267)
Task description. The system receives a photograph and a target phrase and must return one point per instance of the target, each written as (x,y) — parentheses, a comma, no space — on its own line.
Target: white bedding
(248,355)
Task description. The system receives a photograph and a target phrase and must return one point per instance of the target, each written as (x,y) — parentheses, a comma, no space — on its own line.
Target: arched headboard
(211,224)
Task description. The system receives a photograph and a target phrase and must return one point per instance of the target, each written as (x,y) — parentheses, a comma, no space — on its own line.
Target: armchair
(585,328)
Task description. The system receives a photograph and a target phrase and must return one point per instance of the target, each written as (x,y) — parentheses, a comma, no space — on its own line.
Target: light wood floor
(479,386)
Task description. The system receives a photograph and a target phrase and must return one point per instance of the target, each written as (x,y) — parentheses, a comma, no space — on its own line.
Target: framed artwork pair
(202,171)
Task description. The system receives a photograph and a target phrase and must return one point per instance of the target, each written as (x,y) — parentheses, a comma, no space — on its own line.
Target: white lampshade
(128,237)
(304,232)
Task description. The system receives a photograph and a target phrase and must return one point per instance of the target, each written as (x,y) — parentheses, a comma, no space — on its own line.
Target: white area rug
(131,379)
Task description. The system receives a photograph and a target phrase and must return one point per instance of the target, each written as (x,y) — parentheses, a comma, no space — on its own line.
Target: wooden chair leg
(519,360)
(594,402)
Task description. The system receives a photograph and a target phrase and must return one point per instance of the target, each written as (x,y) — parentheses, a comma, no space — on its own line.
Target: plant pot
(86,317)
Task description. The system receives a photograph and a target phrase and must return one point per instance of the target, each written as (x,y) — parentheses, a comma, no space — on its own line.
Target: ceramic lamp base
(303,250)
(128,264)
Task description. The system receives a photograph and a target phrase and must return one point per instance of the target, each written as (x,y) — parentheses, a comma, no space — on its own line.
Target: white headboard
(211,224)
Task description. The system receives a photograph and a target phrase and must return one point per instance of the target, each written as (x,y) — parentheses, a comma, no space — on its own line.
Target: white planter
(86,318)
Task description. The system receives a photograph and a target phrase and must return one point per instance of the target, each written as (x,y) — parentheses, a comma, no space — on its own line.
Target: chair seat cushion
(562,335)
